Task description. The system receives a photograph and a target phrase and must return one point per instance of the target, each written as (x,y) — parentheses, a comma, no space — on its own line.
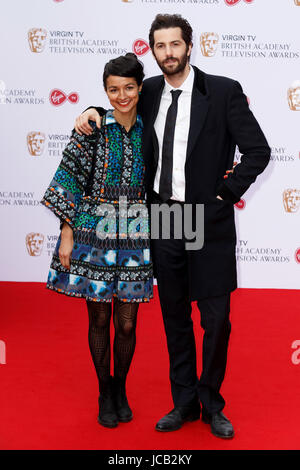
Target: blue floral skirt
(100,273)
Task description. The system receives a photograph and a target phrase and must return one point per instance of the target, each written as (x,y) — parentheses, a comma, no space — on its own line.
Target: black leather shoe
(177,417)
(123,410)
(107,413)
(220,425)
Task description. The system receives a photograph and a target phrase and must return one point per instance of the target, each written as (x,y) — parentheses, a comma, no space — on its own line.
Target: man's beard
(181,64)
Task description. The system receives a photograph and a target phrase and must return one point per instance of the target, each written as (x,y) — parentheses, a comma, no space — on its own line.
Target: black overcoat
(220,120)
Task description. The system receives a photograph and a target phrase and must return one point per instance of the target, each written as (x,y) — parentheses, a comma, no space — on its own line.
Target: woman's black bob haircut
(126,65)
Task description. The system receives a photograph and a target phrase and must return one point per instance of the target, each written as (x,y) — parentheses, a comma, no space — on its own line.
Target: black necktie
(165,183)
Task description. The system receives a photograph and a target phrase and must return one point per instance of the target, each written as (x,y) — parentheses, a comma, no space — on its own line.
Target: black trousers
(171,264)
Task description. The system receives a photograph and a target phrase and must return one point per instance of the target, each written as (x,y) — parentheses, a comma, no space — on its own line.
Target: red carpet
(48,388)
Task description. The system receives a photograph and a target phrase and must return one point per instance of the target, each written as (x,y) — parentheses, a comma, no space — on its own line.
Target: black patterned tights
(124,318)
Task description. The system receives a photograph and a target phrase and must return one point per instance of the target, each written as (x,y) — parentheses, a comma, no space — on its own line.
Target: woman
(95,257)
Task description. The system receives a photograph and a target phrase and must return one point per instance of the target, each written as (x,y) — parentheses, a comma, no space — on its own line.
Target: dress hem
(97,299)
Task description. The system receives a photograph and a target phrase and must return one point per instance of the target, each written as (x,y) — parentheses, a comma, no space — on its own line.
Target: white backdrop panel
(254,41)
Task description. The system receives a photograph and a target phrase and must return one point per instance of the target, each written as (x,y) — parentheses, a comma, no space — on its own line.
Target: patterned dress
(98,189)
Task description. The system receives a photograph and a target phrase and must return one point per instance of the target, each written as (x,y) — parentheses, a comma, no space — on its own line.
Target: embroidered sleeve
(70,181)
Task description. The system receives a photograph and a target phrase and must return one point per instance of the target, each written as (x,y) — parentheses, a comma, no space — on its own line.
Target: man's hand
(230,171)
(226,176)
(82,121)
(66,245)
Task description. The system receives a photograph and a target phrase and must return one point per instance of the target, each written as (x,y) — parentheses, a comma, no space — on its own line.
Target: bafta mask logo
(35,143)
(231,3)
(140,47)
(37,39)
(297,2)
(209,44)
(34,243)
(297,255)
(241,204)
(291,200)
(127,1)
(294,96)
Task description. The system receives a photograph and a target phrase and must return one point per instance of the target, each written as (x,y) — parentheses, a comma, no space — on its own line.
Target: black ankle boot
(107,411)
(123,410)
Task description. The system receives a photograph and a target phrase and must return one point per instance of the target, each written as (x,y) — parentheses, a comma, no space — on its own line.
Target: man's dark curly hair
(171,21)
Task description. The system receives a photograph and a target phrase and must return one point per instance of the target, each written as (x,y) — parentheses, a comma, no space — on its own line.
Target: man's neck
(177,79)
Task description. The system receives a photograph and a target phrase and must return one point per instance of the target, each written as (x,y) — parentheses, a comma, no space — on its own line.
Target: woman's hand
(66,245)
(230,171)
(82,121)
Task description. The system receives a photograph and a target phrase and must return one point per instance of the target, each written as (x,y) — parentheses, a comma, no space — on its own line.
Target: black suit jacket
(220,120)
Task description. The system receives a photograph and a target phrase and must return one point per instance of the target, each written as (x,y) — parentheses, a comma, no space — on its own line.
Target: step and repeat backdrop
(52,58)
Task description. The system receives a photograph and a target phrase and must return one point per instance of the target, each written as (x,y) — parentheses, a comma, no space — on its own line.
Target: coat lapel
(157,94)
(199,109)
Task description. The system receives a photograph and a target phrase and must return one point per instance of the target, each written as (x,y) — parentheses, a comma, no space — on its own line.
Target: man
(192,124)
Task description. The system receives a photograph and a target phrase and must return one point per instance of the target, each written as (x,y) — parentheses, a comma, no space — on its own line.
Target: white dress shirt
(181,134)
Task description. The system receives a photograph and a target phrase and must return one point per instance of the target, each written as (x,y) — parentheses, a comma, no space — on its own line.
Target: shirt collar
(187,85)
(110,119)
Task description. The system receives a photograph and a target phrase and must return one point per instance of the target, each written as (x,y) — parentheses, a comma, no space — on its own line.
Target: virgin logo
(58,97)
(140,47)
(297,255)
(241,204)
(231,3)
